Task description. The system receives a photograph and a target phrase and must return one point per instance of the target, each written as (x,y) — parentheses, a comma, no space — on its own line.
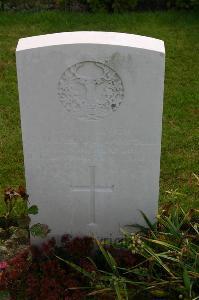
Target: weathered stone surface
(91,113)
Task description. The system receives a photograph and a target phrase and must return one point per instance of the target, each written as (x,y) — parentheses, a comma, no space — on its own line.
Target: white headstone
(91,114)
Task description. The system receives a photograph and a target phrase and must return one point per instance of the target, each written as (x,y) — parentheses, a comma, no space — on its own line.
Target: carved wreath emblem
(90,90)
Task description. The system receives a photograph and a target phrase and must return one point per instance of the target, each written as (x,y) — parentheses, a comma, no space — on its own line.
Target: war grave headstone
(91,114)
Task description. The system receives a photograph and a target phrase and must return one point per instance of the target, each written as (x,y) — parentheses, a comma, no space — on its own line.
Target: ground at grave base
(160,261)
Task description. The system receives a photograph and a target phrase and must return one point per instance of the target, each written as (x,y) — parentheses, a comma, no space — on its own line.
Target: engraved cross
(93,189)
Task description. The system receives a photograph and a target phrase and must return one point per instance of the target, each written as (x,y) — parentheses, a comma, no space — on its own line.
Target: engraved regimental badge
(90,90)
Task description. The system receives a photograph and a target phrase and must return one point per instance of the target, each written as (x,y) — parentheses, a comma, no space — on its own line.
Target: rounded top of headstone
(91,37)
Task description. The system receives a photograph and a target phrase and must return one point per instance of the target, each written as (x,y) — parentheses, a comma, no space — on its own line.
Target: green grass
(179,30)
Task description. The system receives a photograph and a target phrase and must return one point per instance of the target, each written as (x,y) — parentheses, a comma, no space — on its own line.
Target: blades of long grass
(135,283)
(164,244)
(187,216)
(187,281)
(76,267)
(123,279)
(108,257)
(104,252)
(158,284)
(175,216)
(193,274)
(112,262)
(78,288)
(140,227)
(118,291)
(168,224)
(168,257)
(136,272)
(137,266)
(195,228)
(92,262)
(101,291)
(197,178)
(150,225)
(126,292)
(156,257)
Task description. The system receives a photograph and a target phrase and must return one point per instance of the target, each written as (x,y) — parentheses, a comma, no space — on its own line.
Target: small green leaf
(33,210)
(39,230)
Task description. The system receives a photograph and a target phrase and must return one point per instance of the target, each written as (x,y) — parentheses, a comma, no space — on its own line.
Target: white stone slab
(91,114)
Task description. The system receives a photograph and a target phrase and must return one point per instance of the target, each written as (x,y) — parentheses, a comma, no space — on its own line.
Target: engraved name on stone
(84,149)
